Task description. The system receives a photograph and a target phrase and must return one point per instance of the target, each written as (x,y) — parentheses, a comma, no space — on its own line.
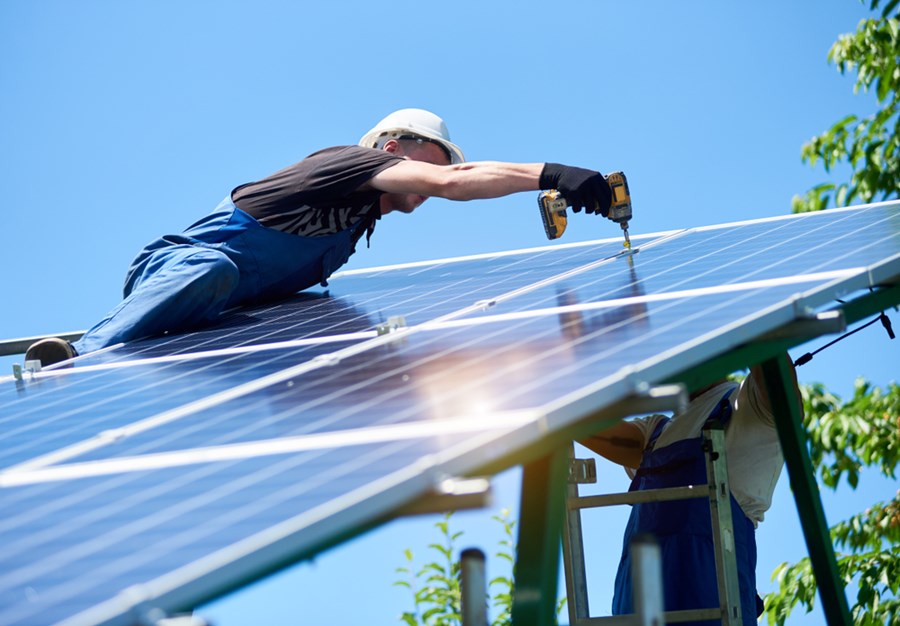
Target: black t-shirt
(318,196)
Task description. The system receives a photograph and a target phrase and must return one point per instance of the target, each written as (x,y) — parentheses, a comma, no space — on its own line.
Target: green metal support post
(541,520)
(789,422)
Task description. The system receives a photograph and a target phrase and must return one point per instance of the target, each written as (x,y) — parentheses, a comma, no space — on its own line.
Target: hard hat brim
(371,139)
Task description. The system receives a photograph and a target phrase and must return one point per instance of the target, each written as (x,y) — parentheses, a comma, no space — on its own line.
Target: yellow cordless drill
(553,208)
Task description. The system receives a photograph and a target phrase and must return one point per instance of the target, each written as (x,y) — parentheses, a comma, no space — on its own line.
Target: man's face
(427,152)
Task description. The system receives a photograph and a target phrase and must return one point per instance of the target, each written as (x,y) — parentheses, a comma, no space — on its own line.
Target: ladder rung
(671,617)
(635,497)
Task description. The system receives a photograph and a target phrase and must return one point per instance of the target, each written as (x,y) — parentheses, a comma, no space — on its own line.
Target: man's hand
(583,189)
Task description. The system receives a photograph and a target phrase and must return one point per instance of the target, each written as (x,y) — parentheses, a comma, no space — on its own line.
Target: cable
(885,321)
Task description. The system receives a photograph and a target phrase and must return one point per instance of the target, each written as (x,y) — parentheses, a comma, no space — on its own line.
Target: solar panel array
(165,472)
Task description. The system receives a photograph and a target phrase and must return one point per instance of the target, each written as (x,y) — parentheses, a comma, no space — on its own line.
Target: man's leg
(186,286)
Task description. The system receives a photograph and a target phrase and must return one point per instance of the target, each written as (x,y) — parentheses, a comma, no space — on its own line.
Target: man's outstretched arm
(622,444)
(582,188)
(465,181)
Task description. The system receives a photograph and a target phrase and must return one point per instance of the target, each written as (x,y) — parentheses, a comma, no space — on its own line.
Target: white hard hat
(417,122)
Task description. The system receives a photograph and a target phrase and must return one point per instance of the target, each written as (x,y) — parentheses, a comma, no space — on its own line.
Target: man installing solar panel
(659,452)
(290,231)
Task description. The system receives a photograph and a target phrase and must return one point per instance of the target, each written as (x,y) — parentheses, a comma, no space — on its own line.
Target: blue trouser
(684,531)
(226,259)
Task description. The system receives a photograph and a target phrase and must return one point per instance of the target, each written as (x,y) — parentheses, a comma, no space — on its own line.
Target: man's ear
(393,146)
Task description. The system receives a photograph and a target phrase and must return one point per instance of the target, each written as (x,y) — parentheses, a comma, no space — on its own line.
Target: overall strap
(657,431)
(722,412)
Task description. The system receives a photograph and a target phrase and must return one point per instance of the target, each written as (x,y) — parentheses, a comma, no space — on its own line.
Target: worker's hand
(582,189)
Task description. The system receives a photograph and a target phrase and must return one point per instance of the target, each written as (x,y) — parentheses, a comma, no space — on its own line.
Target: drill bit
(627,243)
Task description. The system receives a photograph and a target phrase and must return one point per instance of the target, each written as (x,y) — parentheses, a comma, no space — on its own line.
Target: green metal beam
(541,519)
(789,422)
(871,303)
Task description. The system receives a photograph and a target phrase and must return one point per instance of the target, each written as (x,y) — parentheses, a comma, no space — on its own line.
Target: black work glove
(582,189)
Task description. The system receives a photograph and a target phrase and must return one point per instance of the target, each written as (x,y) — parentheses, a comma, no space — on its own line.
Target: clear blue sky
(122,121)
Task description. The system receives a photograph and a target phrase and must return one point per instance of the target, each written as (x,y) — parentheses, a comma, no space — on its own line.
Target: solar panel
(167,472)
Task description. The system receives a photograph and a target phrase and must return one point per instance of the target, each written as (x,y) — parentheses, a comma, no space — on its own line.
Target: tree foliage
(435,586)
(870,145)
(862,433)
(845,438)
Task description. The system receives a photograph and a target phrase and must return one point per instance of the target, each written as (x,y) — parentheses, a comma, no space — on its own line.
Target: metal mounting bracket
(582,471)
(392,325)
(825,323)
(453,494)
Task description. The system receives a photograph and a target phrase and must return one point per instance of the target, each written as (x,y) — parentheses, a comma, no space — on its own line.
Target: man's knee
(218,276)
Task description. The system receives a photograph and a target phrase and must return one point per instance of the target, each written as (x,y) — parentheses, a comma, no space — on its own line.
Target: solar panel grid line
(854,284)
(634,378)
(683,233)
(385,374)
(620,302)
(841,236)
(70,401)
(325,399)
(88,368)
(456,349)
(412,366)
(111,436)
(70,398)
(492,255)
(736,244)
(297,534)
(85,368)
(219,352)
(479,304)
(504,297)
(792,257)
(321,399)
(689,279)
(515,293)
(226,568)
(746,329)
(654,239)
(580,243)
(270,447)
(154,518)
(105,438)
(312,318)
(399,303)
(133,501)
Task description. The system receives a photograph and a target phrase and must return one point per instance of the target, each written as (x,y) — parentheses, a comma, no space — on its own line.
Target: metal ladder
(583,471)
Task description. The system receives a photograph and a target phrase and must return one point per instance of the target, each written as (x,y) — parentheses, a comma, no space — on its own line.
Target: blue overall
(226,259)
(684,531)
